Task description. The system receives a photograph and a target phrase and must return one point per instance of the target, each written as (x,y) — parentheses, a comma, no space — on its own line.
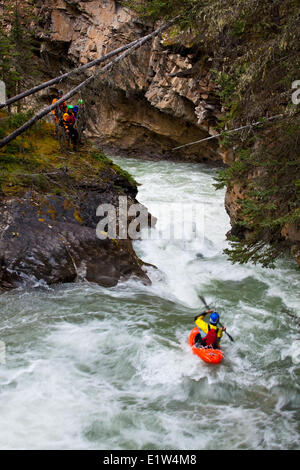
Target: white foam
(96,368)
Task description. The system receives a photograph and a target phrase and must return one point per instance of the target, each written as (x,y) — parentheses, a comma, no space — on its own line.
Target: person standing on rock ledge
(58,111)
(80,119)
(62,108)
(69,122)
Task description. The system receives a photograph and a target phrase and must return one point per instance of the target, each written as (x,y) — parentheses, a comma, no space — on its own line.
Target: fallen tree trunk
(62,77)
(129,49)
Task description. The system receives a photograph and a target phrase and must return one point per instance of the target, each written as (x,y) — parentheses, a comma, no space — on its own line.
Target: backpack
(212,337)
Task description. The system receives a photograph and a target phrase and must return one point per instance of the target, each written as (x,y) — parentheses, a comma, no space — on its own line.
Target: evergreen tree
(17,44)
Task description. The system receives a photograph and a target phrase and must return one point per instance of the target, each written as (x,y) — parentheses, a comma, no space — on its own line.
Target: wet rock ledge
(48,223)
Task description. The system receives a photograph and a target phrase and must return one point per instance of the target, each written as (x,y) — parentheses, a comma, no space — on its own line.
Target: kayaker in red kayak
(212,331)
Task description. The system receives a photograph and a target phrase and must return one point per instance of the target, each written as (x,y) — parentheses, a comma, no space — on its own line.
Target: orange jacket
(54,110)
(69,119)
(62,106)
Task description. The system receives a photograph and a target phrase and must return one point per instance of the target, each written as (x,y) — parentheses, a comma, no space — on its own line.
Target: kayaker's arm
(202,315)
(220,332)
(200,322)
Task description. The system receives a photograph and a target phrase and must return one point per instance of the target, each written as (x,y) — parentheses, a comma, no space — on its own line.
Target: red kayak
(205,353)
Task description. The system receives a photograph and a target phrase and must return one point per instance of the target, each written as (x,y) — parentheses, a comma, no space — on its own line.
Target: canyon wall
(169,93)
(161,97)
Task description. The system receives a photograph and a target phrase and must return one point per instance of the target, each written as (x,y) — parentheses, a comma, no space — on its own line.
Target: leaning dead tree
(62,77)
(128,49)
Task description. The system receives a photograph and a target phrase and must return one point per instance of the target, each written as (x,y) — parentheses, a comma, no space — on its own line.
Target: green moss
(34,161)
(101,157)
(127,176)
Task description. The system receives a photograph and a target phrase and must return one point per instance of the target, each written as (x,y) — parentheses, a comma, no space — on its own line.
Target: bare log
(228,132)
(98,61)
(74,91)
(62,77)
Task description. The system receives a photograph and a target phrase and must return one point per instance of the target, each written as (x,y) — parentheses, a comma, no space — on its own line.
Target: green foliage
(16,120)
(271,198)
(231,174)
(17,44)
(254,51)
(9,124)
(126,175)
(101,157)
(256,46)
(157,9)
(33,160)
(238,27)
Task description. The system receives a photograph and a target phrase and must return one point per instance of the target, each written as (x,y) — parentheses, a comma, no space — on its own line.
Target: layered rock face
(148,104)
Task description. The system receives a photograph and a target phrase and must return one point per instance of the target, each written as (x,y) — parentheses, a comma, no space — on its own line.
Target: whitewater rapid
(88,367)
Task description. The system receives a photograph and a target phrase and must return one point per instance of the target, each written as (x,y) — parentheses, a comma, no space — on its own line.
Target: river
(88,367)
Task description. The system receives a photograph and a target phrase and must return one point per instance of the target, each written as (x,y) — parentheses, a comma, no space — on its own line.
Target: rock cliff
(49,218)
(180,88)
(160,97)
